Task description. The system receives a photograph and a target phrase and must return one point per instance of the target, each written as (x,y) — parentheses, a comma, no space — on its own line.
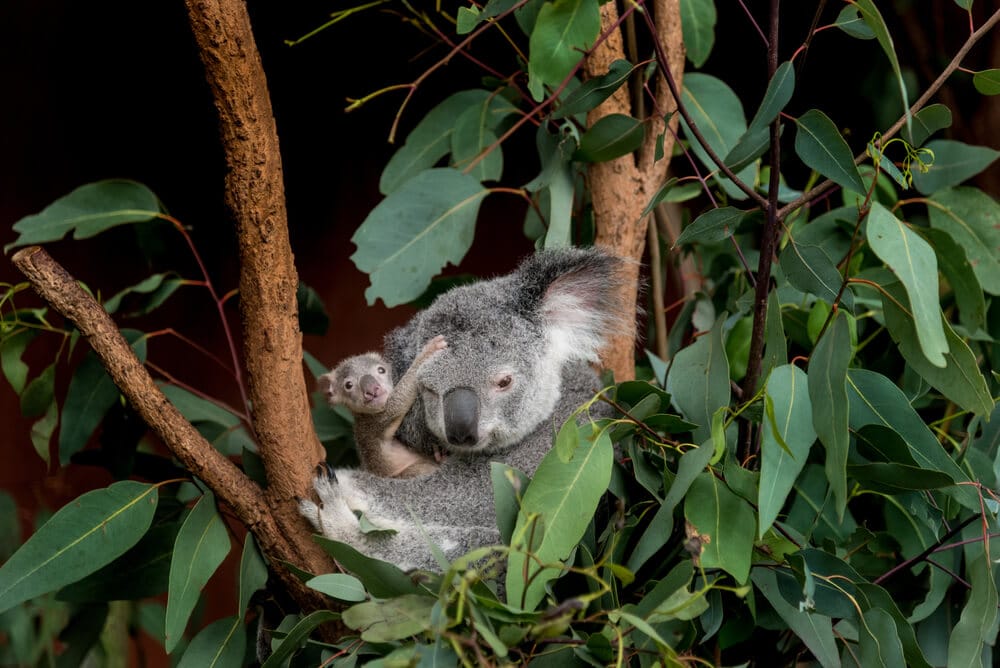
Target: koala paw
(333,517)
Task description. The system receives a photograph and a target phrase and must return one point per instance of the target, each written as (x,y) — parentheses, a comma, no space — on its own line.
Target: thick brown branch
(230,485)
(268,280)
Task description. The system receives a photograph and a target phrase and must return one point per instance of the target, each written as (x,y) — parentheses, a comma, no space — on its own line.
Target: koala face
(362,383)
(508,341)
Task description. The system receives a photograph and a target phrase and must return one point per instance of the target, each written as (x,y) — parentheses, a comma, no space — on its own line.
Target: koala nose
(370,387)
(461,416)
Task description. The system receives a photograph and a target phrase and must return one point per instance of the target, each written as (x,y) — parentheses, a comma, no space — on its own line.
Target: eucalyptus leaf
(987,82)
(851,22)
(426,223)
(391,619)
(380,578)
(611,137)
(725,523)
(699,381)
(972,218)
(297,635)
(954,162)
(80,538)
(594,91)
(811,270)
(218,645)
(12,349)
(828,394)
(712,226)
(564,30)
(698,28)
(961,276)
(976,626)
(926,122)
(815,630)
(821,146)
(339,585)
(872,17)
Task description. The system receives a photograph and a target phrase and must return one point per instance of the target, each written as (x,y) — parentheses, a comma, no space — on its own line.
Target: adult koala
(515,369)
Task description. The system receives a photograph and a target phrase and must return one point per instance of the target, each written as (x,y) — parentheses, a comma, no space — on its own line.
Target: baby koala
(364,385)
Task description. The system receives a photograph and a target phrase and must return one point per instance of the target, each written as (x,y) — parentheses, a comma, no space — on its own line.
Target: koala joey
(516,367)
(363,384)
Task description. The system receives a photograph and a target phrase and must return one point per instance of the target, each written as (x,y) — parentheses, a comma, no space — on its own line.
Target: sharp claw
(330,472)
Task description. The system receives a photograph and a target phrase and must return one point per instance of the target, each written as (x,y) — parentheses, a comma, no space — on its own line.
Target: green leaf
(718,114)
(412,234)
(380,578)
(339,585)
(429,141)
(691,464)
(775,346)
(954,162)
(972,218)
(961,276)
(814,630)
(592,92)
(751,145)
(698,28)
(828,393)
(878,640)
(757,139)
(926,122)
(201,545)
(297,636)
(253,572)
(725,521)
(810,269)
(221,644)
(555,185)
(313,318)
(611,137)
(987,82)
(820,145)
(87,211)
(90,395)
(849,20)
(473,133)
(508,485)
(11,350)
(789,424)
(39,394)
(878,598)
(712,226)
(565,495)
(10,526)
(563,31)
(158,286)
(913,261)
(874,399)
(872,17)
(976,625)
(699,381)
(738,347)
(891,478)
(80,538)
(392,619)
(960,379)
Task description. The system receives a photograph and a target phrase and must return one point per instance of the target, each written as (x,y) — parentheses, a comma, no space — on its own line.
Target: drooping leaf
(429,141)
(594,91)
(508,485)
(426,223)
(295,637)
(555,185)
(810,269)
(873,18)
(221,644)
(850,21)
(87,211)
(391,619)
(612,136)
(972,218)
(565,495)
(80,538)
(987,82)
(201,545)
(563,31)
(878,640)
(712,226)
(91,393)
(158,286)
(473,133)
(775,346)
(975,626)
(960,275)
(814,630)
(788,435)
(828,394)
(39,393)
(757,139)
(380,578)
(926,122)
(12,348)
(874,399)
(960,379)
(821,146)
(699,381)
(725,522)
(253,572)
(914,263)
(698,28)
(875,597)
(954,162)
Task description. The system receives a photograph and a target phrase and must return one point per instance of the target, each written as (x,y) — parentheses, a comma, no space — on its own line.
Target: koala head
(508,341)
(361,383)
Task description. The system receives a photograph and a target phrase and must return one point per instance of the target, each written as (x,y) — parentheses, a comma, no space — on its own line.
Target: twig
(926,553)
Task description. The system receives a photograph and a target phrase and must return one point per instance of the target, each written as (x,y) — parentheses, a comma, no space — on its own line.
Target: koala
(363,384)
(515,368)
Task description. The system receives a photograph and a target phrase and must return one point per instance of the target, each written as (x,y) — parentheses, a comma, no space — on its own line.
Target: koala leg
(334,517)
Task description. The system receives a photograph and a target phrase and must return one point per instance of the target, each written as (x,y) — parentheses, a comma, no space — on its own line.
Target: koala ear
(571,291)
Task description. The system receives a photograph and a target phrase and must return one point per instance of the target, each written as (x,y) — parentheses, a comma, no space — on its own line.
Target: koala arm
(404,393)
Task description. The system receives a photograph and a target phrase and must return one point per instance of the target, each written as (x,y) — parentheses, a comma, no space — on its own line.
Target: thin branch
(926,553)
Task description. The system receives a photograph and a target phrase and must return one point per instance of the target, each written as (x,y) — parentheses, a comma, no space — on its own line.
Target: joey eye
(348,385)
(381,370)
(504,382)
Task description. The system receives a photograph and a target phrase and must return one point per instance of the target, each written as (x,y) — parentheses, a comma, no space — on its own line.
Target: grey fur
(363,384)
(521,343)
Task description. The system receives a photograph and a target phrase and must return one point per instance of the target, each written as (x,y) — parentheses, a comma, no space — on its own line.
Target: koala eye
(348,385)
(505,381)
(381,370)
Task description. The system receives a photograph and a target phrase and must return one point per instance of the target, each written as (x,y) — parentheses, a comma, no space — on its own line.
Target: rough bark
(272,342)
(621,188)
(230,485)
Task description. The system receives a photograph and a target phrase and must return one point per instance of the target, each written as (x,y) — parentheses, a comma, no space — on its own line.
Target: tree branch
(230,485)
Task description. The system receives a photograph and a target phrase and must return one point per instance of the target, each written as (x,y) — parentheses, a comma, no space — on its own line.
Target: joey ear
(571,291)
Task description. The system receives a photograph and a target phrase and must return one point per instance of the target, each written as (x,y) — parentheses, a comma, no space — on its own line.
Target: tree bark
(621,188)
(254,191)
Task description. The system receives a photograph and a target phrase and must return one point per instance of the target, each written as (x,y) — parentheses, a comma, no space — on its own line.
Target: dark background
(115,89)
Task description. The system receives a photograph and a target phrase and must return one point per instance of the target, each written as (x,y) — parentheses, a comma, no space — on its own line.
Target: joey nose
(461,416)
(370,387)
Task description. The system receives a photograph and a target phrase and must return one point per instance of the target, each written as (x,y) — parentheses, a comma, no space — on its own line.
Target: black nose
(461,416)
